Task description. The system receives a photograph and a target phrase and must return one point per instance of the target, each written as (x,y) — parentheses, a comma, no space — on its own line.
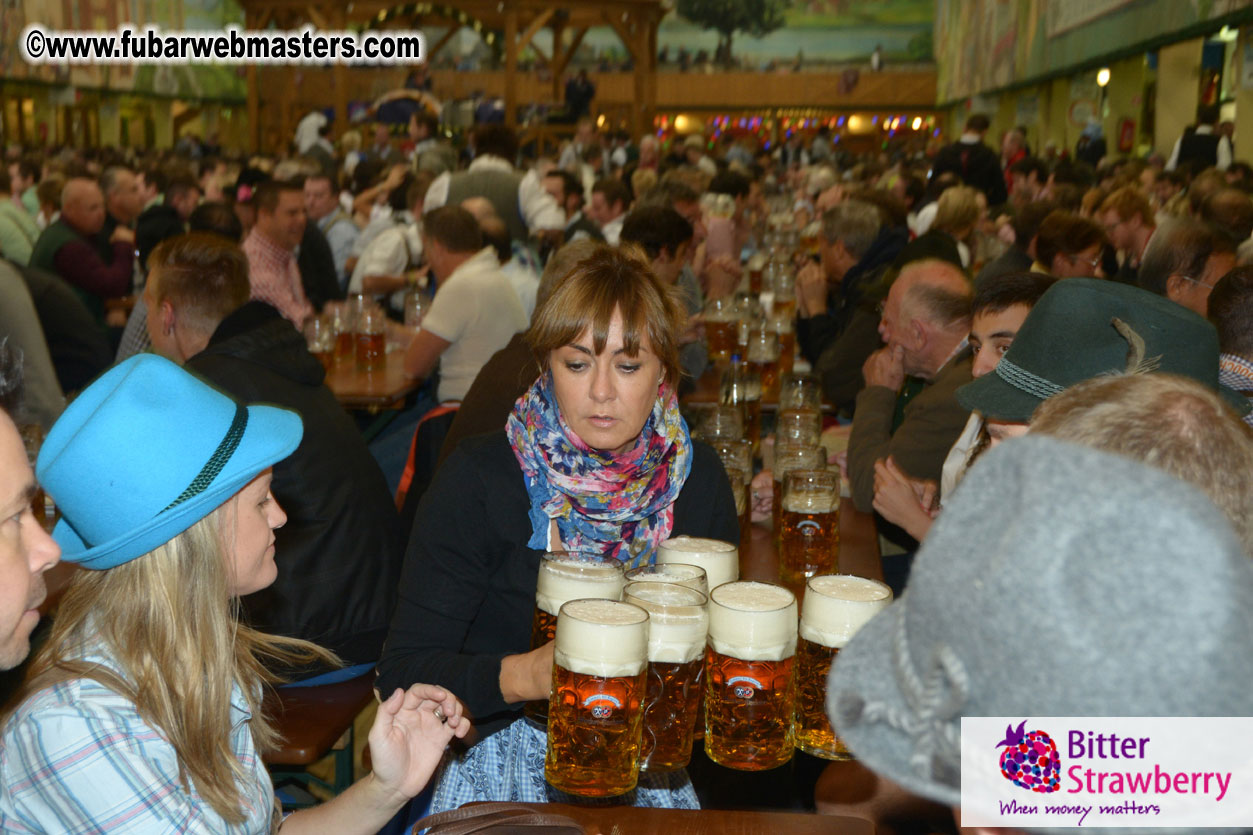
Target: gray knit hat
(1032,595)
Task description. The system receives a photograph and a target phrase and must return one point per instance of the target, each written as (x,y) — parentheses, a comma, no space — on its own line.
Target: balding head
(1230,211)
(927,313)
(480,207)
(82,205)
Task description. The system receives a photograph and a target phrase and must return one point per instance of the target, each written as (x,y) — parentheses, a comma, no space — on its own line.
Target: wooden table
(621,820)
(372,391)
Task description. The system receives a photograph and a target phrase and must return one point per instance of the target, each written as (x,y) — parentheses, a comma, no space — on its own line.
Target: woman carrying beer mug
(595,458)
(142,712)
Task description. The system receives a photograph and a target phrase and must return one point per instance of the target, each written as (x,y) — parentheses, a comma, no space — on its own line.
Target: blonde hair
(957,210)
(606,281)
(167,620)
(642,181)
(1166,421)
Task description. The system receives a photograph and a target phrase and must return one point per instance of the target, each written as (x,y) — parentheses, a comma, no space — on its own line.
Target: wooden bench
(314,722)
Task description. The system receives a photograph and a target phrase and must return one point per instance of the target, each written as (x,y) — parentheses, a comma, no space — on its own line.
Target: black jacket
(78,347)
(977,165)
(154,225)
(339,553)
(317,268)
(468,590)
(815,334)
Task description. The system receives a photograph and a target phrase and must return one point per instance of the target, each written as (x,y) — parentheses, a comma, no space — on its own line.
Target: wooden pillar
(254,97)
(558,28)
(339,74)
(640,63)
(649,106)
(511,67)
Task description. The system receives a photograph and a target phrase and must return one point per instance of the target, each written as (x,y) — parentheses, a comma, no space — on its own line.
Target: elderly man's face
(125,198)
(890,323)
(84,209)
(26,550)
(284,226)
(1011,144)
(1193,292)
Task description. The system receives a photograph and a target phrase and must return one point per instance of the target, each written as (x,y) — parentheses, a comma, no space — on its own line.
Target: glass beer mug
(563,576)
(596,710)
(836,606)
(749,692)
(678,623)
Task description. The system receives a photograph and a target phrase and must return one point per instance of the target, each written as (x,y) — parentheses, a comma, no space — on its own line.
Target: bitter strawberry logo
(1030,759)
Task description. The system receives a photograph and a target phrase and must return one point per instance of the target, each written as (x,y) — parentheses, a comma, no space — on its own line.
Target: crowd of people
(951,301)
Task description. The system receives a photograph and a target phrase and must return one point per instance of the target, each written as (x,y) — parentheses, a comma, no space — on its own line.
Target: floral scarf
(617,506)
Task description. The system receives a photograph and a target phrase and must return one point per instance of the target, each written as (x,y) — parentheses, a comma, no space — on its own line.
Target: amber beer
(564,576)
(756,268)
(836,606)
(740,488)
(809,542)
(596,710)
(763,359)
(678,623)
(722,329)
(371,351)
(788,457)
(721,560)
(371,339)
(783,327)
(345,346)
(748,676)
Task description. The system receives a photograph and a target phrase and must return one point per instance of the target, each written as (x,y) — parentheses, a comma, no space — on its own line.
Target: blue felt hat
(148,450)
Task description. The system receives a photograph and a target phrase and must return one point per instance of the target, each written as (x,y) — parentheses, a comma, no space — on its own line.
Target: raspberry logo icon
(1030,759)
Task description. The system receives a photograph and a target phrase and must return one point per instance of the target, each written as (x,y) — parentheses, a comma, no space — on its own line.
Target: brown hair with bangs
(610,279)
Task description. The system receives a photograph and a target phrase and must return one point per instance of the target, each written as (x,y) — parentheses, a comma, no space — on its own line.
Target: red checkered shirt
(275,278)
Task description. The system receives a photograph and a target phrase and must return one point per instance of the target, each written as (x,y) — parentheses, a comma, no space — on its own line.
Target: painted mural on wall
(816,31)
(200,81)
(984,45)
(775,34)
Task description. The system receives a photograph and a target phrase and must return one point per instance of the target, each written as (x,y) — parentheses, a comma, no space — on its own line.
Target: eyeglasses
(1197,281)
(1091,262)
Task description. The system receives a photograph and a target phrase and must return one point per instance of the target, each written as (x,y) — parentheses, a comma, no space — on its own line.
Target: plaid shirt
(509,766)
(1237,373)
(78,758)
(275,278)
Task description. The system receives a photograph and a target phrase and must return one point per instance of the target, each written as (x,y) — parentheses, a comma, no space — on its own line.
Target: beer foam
(677,620)
(696,544)
(563,580)
(602,638)
(837,605)
(721,560)
(753,621)
(679,573)
(811,502)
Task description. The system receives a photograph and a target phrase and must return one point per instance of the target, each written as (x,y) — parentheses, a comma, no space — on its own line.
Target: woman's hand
(899,499)
(528,676)
(761,495)
(695,330)
(409,735)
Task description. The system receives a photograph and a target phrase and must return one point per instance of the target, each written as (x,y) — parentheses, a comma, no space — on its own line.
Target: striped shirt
(275,278)
(1236,373)
(77,758)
